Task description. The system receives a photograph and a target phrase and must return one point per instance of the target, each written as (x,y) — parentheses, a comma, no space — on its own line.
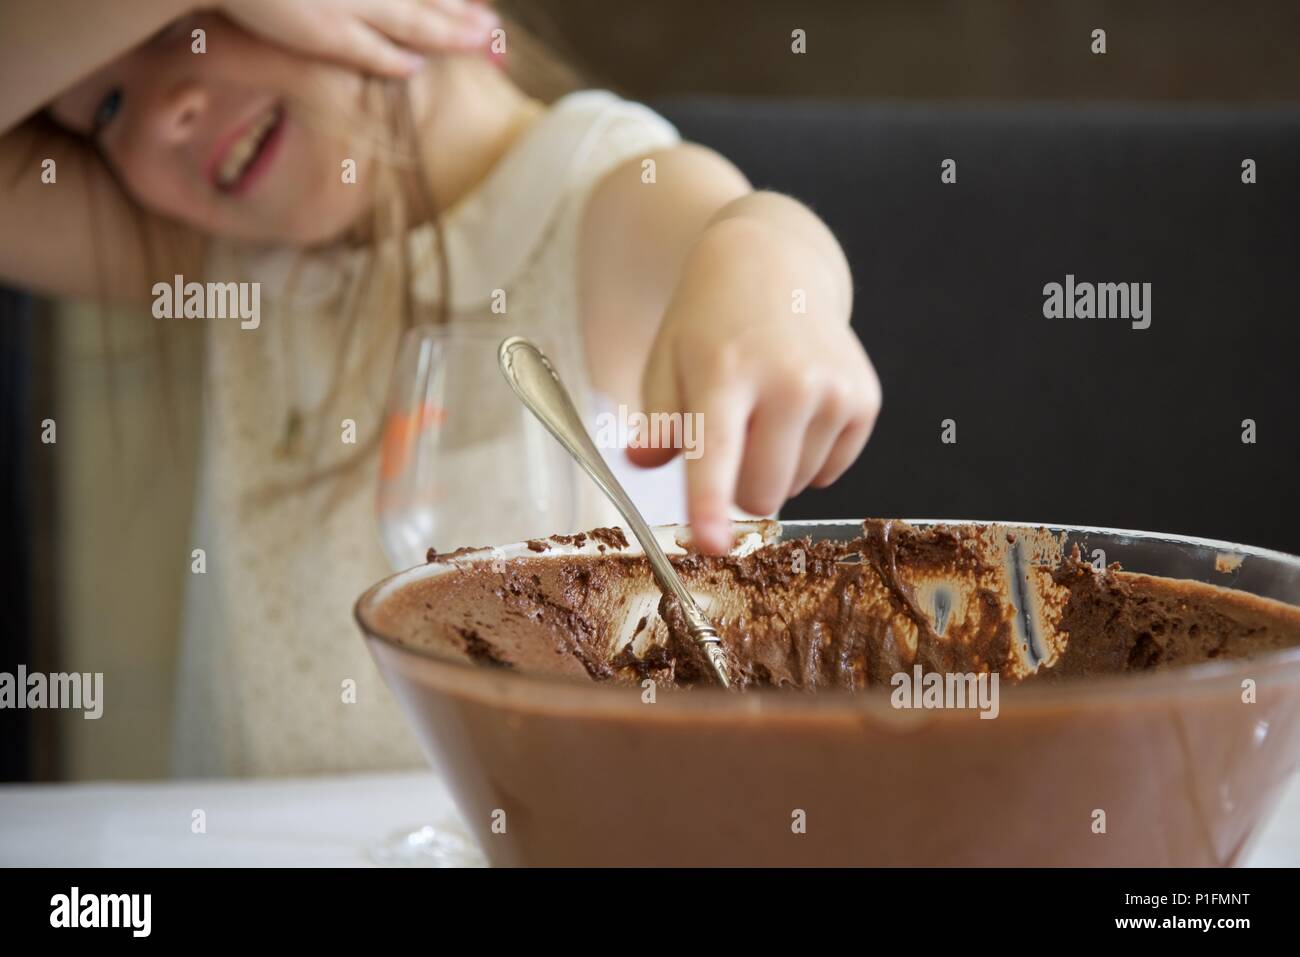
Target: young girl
(216,144)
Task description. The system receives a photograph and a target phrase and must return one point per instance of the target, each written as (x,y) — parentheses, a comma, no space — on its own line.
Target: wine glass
(462,462)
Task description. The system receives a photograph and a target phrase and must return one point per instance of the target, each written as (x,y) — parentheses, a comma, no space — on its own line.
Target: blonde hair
(393,139)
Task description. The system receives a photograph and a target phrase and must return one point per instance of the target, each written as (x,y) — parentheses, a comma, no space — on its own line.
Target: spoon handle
(535,381)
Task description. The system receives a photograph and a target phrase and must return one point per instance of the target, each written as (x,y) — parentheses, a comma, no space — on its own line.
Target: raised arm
(45,45)
(67,225)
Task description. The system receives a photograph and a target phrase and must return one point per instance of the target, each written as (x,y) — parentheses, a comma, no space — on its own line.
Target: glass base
(428,846)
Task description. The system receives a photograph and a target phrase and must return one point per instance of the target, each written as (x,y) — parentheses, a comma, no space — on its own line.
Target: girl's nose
(179,112)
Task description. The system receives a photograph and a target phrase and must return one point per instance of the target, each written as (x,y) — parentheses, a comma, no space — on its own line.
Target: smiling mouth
(244,159)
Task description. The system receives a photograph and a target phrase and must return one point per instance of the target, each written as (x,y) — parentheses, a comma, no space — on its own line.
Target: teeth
(237,157)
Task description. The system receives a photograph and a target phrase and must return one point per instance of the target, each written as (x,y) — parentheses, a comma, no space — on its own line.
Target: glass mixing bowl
(1167,767)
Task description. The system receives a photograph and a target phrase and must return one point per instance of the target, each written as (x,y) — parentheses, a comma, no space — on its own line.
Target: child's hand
(386,37)
(786,398)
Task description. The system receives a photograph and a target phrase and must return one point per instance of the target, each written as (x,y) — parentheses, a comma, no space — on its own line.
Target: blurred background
(1122,167)
(963,50)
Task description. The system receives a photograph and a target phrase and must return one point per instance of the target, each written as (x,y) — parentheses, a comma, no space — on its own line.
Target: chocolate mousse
(820,615)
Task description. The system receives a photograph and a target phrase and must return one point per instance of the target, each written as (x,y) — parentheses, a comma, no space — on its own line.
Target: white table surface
(283,822)
(325,821)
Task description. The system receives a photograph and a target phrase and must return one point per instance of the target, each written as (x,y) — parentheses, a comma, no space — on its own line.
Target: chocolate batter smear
(797,615)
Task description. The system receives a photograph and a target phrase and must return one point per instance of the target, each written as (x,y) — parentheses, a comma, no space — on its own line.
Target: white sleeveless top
(269,644)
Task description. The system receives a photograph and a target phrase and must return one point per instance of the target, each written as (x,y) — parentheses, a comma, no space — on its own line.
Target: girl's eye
(107,109)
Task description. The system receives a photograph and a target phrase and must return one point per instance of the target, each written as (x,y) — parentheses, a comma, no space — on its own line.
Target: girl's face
(224,139)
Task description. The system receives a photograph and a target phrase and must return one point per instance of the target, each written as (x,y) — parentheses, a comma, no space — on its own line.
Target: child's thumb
(658,436)
(650,458)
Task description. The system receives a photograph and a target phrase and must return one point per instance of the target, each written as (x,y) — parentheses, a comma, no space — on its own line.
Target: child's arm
(80,235)
(701,296)
(46,45)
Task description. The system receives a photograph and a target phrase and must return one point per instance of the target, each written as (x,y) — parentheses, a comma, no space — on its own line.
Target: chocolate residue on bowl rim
(951,599)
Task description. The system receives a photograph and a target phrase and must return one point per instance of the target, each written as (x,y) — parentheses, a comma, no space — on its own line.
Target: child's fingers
(711,476)
(367,49)
(428,27)
(861,409)
(819,440)
(845,451)
(775,435)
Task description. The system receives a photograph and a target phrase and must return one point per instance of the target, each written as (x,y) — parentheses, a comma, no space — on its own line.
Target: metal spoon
(538,386)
